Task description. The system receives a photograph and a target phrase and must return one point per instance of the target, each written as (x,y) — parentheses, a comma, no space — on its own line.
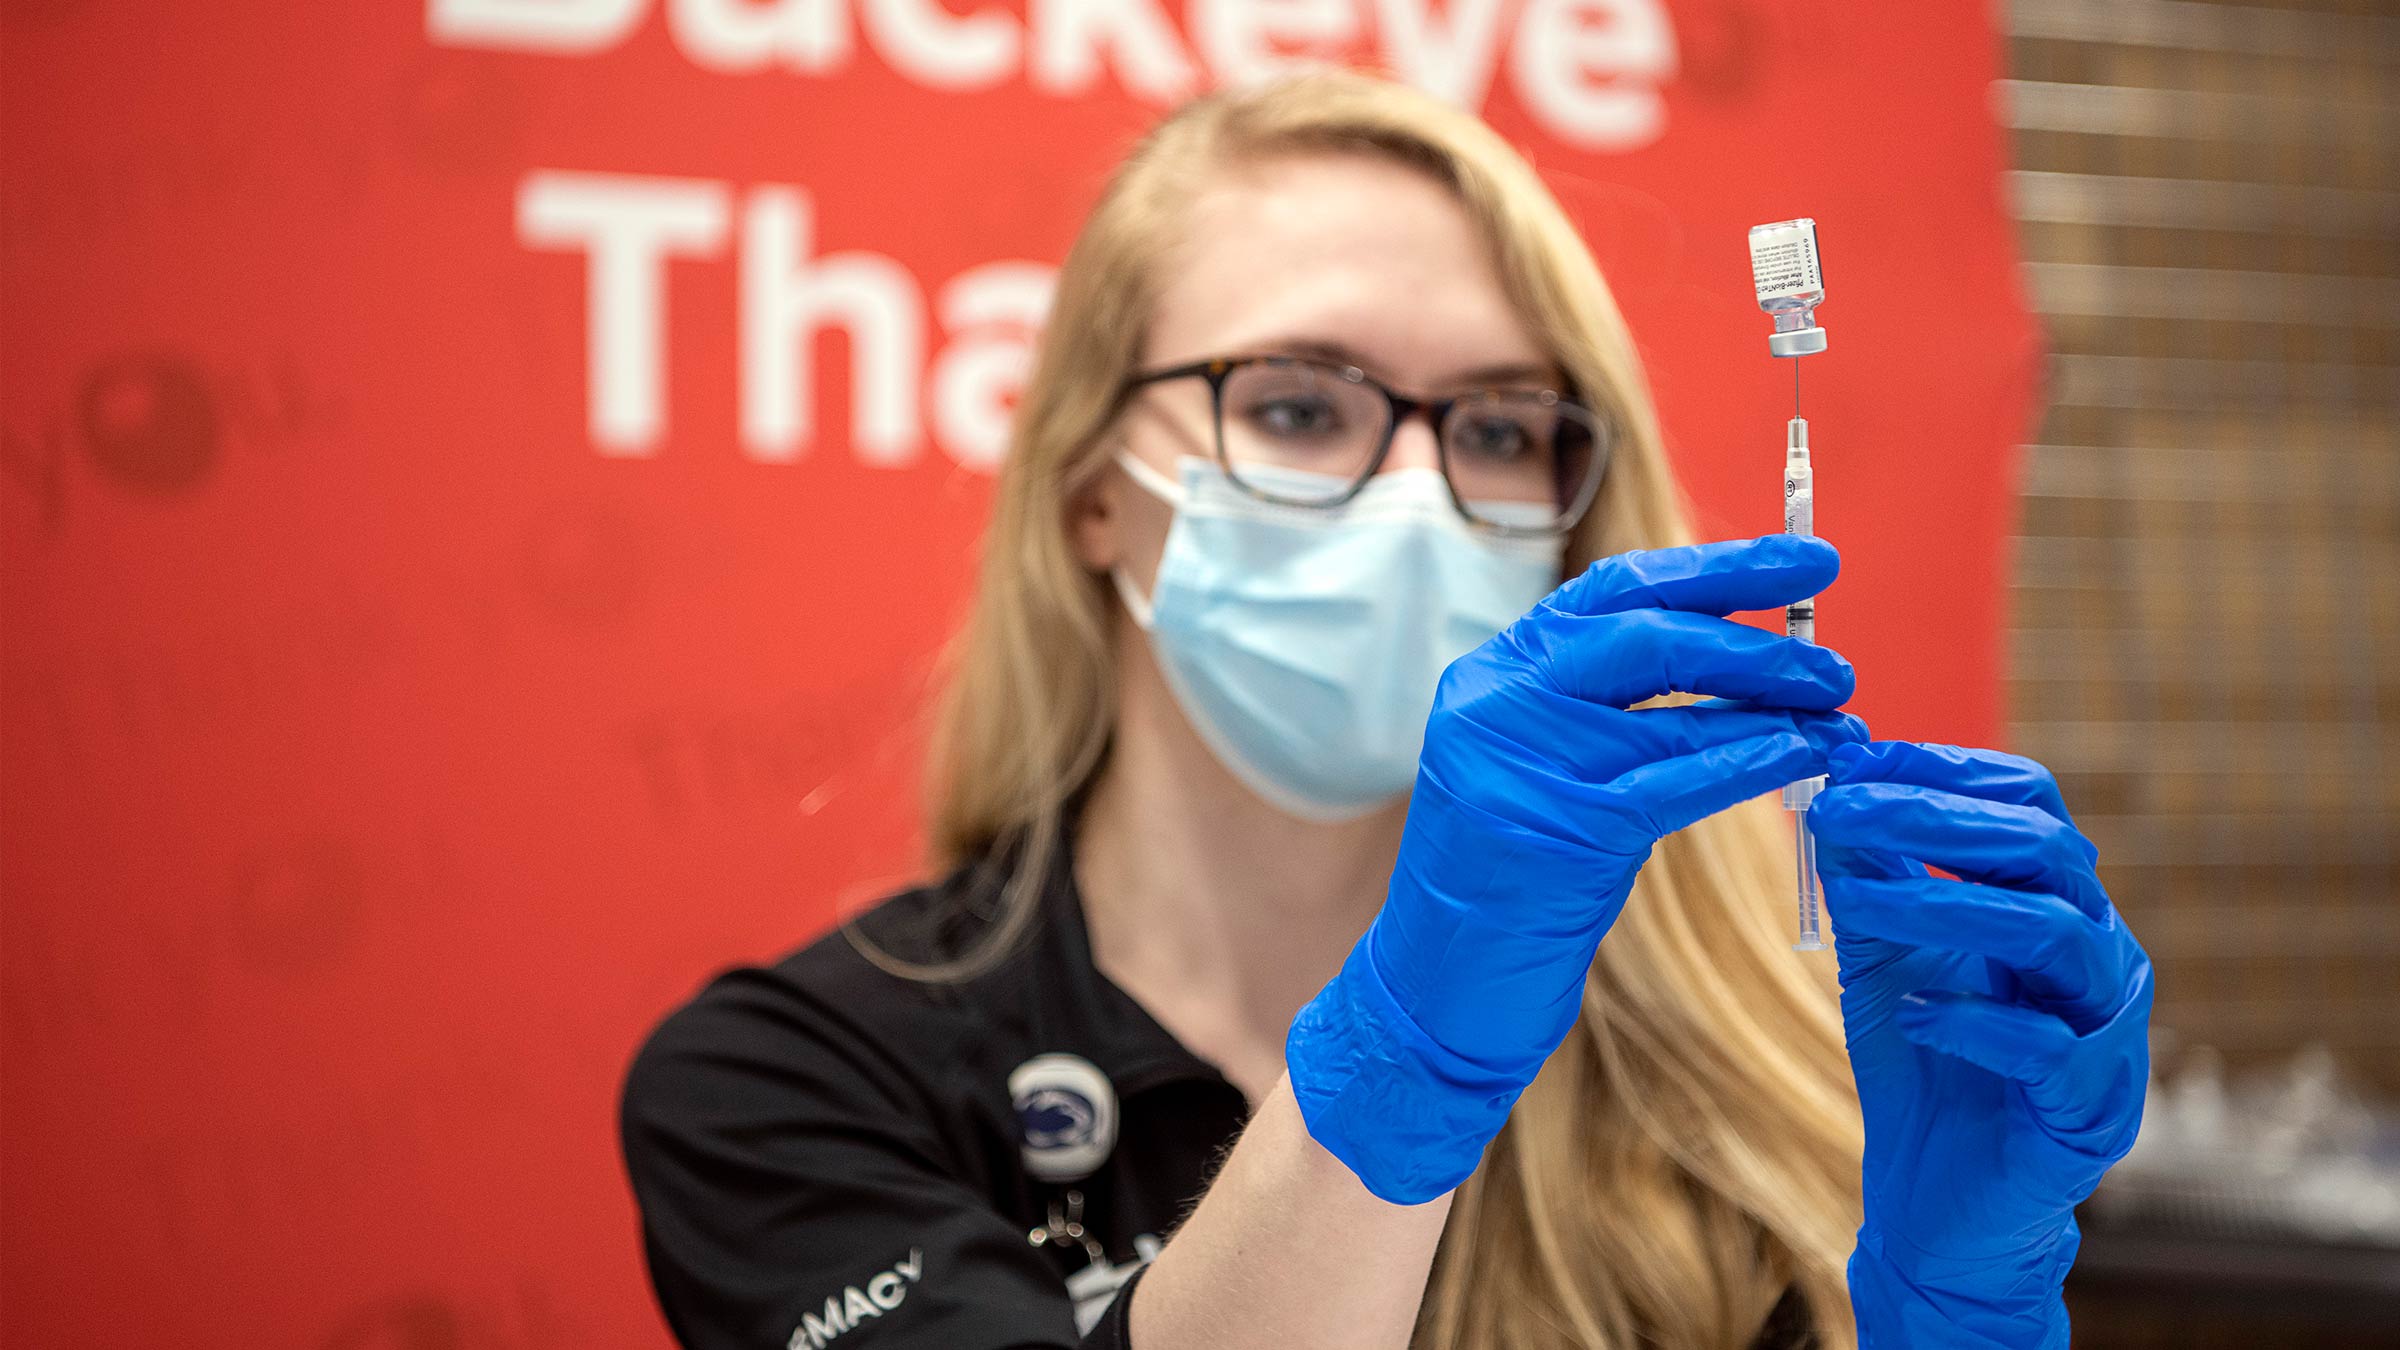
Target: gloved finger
(2025,1044)
(1670,794)
(1833,859)
(1994,775)
(2085,1087)
(1620,659)
(1664,733)
(1550,732)
(1997,842)
(2062,957)
(1833,856)
(1720,578)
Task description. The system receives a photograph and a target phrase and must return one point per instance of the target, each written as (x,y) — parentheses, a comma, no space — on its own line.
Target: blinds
(2206,616)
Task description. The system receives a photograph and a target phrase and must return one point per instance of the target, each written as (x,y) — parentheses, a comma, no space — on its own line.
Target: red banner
(485,480)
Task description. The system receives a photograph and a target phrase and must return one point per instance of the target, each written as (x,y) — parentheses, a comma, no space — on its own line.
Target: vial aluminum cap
(1798,342)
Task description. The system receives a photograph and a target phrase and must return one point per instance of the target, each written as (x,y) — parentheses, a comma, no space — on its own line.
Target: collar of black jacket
(1046,994)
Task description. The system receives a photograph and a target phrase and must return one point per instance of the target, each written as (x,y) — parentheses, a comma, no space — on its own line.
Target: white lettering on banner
(628,226)
(740,36)
(1589,71)
(1453,63)
(941,50)
(567,27)
(1562,44)
(1069,37)
(786,297)
(1001,307)
(843,1312)
(1249,40)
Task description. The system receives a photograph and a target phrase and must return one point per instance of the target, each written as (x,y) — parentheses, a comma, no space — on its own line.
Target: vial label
(1783,260)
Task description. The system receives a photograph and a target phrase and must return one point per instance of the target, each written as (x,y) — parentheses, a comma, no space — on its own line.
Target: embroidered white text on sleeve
(856,1303)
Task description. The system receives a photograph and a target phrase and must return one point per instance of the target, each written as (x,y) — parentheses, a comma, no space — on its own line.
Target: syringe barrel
(1800,620)
(1799,517)
(1799,481)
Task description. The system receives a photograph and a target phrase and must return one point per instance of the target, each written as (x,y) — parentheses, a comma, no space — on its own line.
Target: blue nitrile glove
(1998,1029)
(1538,796)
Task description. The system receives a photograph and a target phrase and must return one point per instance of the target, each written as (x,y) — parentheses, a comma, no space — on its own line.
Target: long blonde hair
(1691,1152)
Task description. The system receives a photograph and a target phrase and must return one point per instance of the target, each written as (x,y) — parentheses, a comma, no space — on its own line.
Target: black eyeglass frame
(1216,370)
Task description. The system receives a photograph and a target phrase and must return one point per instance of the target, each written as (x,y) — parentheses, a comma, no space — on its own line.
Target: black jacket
(829,1155)
(826,1154)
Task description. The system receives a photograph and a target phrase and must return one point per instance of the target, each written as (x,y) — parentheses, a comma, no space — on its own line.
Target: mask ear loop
(1135,605)
(1167,490)
(1151,480)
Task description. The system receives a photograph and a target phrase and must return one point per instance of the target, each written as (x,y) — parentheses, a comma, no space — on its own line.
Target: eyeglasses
(1517,461)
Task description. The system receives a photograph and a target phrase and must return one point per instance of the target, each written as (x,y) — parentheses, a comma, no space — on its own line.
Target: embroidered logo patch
(1066,1116)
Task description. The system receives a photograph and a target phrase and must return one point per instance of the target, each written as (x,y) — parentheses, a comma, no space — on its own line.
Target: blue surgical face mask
(1304,644)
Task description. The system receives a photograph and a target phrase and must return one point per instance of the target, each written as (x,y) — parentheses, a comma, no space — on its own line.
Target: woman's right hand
(1539,795)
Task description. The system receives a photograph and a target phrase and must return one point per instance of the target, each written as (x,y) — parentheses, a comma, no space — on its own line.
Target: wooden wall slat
(2205,640)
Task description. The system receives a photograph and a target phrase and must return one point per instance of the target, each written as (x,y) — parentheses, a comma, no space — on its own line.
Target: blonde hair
(1691,1152)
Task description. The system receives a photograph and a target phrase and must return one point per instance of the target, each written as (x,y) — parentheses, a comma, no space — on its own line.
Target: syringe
(1789,275)
(1800,621)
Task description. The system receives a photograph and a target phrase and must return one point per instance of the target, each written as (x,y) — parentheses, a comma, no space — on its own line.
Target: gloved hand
(1538,796)
(1998,1029)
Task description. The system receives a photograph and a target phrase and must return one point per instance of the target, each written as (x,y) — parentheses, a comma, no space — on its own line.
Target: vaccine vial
(1790,278)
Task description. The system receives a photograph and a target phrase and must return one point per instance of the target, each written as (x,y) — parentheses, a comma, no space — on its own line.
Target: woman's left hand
(1998,1029)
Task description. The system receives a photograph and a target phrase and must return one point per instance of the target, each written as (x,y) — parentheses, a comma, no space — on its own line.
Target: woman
(1287,1014)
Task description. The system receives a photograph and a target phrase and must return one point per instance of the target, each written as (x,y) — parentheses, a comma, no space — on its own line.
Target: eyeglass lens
(1513,457)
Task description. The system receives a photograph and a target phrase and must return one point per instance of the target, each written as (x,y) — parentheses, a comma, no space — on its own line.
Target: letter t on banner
(628,226)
